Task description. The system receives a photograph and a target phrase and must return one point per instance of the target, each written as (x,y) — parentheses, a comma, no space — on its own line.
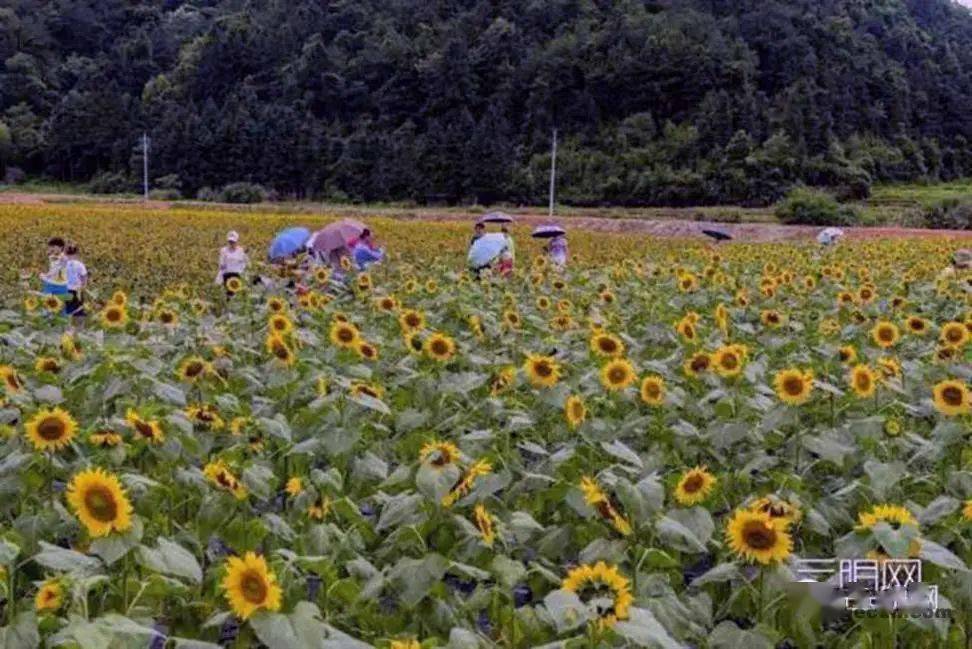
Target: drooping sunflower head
(485,523)
(952,397)
(542,371)
(439,347)
(51,429)
(894,515)
(694,486)
(360,388)
(250,585)
(607,345)
(294,486)
(147,430)
(439,454)
(793,386)
(756,536)
(778,509)
(70,347)
(847,354)
(104,438)
(617,374)
(603,588)
(281,352)
(11,380)
(100,503)
(575,411)
(885,334)
(50,596)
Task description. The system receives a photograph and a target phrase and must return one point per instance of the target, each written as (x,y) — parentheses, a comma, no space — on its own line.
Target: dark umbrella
(496,217)
(717,235)
(548,232)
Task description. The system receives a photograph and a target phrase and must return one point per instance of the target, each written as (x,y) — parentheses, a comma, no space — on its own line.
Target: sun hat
(232,236)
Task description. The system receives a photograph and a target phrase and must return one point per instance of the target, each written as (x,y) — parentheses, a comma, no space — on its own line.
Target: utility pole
(145,154)
(553,171)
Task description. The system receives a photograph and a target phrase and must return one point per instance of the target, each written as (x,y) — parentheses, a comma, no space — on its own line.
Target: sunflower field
(637,451)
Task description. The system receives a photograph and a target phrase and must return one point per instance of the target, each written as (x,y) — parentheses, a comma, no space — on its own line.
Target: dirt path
(661,222)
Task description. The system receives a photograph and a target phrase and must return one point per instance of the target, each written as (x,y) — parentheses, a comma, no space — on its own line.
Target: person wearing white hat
(232,260)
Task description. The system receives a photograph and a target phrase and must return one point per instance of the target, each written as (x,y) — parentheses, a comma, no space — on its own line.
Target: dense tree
(657,102)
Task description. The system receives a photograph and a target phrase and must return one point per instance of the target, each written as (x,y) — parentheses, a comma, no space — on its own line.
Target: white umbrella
(829,236)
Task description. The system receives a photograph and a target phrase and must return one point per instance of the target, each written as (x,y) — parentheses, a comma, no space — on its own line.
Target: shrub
(110,182)
(949,214)
(14,176)
(165,194)
(206,194)
(242,193)
(168,181)
(807,206)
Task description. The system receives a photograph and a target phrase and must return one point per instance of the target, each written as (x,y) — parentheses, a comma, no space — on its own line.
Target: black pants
(75,305)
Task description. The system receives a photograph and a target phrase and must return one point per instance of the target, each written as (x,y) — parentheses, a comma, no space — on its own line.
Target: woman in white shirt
(232,260)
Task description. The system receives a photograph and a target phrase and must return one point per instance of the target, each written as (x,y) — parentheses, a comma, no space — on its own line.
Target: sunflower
(30,304)
(280,350)
(543,303)
(890,367)
(114,316)
(167,317)
(194,369)
(277,304)
(603,505)
(387,303)
(699,362)
(465,483)
(967,510)
(686,329)
(771,318)
(653,390)
(234,285)
(119,298)
(694,486)
(294,486)
(439,454)
(149,430)
(916,325)
(53,303)
(11,380)
(847,354)
(360,388)
(405,644)
(777,509)
(439,347)
(485,523)
(51,430)
(607,345)
(50,596)
(793,385)
(99,502)
(502,380)
(892,427)
(542,371)
(250,585)
(575,411)
(954,334)
(280,324)
(105,438)
(511,319)
(411,320)
(618,374)
(756,536)
(319,508)
(70,348)
(367,351)
(344,334)
(894,515)
(952,397)
(885,334)
(728,361)
(206,416)
(863,380)
(604,587)
(221,476)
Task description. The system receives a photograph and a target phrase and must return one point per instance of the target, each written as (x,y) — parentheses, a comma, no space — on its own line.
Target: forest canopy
(656,102)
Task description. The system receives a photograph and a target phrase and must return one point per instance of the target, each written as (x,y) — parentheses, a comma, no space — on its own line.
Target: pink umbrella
(335,236)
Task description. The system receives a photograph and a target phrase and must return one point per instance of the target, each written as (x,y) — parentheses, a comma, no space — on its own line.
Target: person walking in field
(77,281)
(54,280)
(232,260)
(365,251)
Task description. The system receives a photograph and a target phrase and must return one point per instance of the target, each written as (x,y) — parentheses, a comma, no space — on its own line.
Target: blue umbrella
(287,242)
(486,248)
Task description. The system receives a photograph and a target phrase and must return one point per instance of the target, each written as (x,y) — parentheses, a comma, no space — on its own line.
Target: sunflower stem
(762,592)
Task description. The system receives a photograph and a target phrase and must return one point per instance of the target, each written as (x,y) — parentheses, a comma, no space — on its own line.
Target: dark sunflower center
(440,348)
(279,324)
(608,346)
(113,315)
(862,380)
(885,334)
(12,381)
(700,363)
(729,361)
(253,587)
(953,334)
(952,395)
(281,351)
(617,375)
(194,369)
(145,429)
(412,320)
(693,483)
(793,385)
(772,318)
(759,536)
(51,429)
(653,390)
(101,505)
(543,369)
(577,409)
